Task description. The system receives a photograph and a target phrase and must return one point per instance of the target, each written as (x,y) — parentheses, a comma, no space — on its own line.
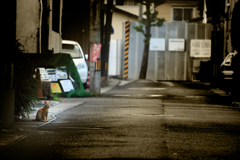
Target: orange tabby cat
(42,114)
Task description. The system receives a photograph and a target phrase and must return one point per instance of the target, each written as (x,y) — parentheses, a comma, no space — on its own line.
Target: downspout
(227,40)
(40,27)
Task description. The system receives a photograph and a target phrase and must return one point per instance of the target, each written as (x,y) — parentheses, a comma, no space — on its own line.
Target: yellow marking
(126,57)
(126,66)
(126,71)
(126,61)
(127,34)
(106,66)
(99,64)
(126,52)
(127,38)
(127,42)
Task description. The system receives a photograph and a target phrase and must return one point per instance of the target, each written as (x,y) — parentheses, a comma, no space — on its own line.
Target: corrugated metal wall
(166,65)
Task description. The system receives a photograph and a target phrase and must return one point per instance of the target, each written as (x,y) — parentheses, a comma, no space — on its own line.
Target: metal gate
(165,65)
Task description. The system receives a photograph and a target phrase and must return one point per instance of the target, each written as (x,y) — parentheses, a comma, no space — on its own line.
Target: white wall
(114,61)
(55,39)
(117,21)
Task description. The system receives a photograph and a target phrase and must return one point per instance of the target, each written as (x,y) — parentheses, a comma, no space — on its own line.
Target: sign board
(52,74)
(55,88)
(200,48)
(176,45)
(44,74)
(95,52)
(61,74)
(66,85)
(157,44)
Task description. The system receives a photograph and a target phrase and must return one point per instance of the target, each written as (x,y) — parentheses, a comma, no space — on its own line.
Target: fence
(165,64)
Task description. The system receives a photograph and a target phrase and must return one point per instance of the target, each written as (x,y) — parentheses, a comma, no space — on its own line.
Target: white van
(75,50)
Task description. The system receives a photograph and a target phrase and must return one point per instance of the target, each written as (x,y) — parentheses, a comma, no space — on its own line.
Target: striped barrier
(127,32)
(88,80)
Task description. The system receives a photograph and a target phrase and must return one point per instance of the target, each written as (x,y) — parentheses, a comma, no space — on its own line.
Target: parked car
(227,73)
(75,50)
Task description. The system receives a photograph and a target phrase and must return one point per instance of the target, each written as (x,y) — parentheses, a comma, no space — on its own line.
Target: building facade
(39,25)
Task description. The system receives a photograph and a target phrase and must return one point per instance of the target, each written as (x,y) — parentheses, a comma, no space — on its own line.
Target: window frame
(172,12)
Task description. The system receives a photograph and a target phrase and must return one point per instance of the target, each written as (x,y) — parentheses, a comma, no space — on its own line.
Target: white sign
(200,48)
(176,45)
(52,74)
(61,74)
(157,44)
(66,85)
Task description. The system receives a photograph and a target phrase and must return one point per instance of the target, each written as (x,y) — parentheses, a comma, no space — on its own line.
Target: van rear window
(67,46)
(73,50)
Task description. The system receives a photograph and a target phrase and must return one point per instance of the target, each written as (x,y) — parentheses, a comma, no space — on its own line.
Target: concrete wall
(27,24)
(227,28)
(55,38)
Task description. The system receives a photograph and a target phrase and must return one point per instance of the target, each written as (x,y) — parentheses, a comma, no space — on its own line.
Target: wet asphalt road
(140,120)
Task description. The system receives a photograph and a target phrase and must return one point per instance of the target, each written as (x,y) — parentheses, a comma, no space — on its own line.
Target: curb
(109,86)
(60,111)
(13,137)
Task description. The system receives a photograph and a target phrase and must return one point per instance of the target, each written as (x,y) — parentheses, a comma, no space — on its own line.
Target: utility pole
(107,38)
(95,37)
(140,12)
(7,65)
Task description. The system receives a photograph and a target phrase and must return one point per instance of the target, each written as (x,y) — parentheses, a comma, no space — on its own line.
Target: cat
(42,113)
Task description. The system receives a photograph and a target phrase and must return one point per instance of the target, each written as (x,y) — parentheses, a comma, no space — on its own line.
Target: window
(73,50)
(182,14)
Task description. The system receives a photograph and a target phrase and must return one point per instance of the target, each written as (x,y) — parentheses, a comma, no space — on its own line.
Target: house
(172,10)
(129,10)
(179,10)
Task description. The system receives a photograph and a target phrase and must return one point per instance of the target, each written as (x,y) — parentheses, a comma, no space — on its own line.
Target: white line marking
(160,115)
(147,89)
(122,95)
(168,83)
(156,95)
(122,83)
(134,95)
